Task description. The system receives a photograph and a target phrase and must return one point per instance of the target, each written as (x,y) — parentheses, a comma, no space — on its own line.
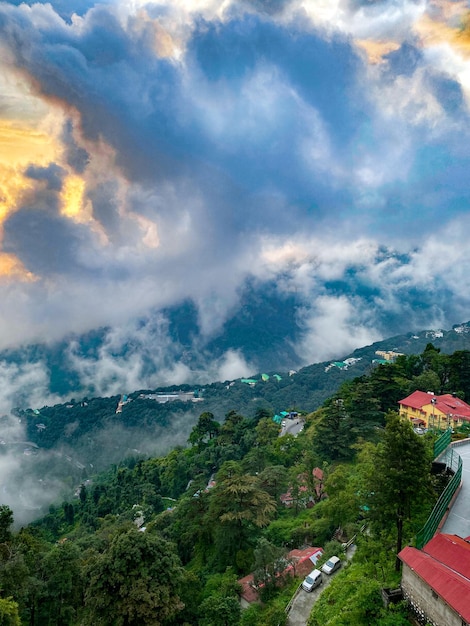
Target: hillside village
(303,493)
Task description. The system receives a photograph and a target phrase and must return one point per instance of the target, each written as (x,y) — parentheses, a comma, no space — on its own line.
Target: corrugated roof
(447,403)
(417,399)
(444,564)
(451,550)
(452,404)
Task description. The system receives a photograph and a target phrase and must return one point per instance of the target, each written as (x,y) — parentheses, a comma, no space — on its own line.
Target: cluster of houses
(182,396)
(436,578)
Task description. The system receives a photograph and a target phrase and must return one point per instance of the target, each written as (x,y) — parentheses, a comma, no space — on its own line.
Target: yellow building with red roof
(431,411)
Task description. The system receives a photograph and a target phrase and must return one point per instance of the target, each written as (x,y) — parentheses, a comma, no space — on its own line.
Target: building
(298,563)
(436,580)
(303,494)
(388,355)
(430,411)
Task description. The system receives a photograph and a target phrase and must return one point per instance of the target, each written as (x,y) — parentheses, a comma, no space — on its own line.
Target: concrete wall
(425,603)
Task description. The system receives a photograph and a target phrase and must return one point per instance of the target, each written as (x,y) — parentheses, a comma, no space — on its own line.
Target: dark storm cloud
(52,175)
(138,104)
(77,157)
(46,244)
(105,207)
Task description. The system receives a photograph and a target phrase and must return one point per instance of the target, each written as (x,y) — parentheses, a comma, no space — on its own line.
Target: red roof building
(301,563)
(436,580)
(304,496)
(428,410)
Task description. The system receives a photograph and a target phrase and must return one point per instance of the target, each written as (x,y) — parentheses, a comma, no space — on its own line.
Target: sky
(155,152)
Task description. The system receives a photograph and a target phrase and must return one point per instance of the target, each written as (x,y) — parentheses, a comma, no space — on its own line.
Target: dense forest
(163,540)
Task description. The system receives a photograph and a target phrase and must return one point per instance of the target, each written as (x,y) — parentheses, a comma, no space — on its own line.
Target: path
(458,520)
(304,601)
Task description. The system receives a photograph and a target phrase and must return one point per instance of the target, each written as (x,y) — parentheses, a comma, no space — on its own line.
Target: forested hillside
(94,431)
(163,540)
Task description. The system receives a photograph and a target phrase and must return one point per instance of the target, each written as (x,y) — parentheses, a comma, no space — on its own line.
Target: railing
(442,442)
(291,601)
(454,463)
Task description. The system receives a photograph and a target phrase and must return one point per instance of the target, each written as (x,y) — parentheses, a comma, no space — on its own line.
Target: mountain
(135,421)
(267,330)
(47,447)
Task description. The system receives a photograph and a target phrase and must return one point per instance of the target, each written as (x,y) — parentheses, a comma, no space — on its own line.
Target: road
(458,520)
(304,601)
(292,427)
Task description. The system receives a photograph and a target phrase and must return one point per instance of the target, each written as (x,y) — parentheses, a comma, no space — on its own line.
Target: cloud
(175,152)
(335,326)
(21,384)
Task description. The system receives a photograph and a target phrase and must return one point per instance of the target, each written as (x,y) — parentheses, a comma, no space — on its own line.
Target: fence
(454,463)
(442,442)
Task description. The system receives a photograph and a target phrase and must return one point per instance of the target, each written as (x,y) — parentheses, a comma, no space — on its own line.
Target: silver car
(313,580)
(331,565)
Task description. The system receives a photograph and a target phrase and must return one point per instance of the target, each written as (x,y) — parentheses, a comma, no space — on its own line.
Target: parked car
(313,580)
(331,565)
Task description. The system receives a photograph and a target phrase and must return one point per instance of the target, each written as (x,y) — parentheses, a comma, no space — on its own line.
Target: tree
(343,487)
(270,563)
(9,613)
(239,506)
(206,428)
(220,610)
(333,432)
(62,586)
(274,480)
(399,478)
(459,374)
(231,431)
(134,582)
(6,520)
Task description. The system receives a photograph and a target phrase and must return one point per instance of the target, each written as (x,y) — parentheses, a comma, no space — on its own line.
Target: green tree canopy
(134,582)
(9,613)
(398,477)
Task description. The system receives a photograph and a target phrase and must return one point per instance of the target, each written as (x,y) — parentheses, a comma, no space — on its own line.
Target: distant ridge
(97,364)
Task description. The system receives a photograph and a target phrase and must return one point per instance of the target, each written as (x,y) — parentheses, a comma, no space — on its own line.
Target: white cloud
(334,326)
(233,365)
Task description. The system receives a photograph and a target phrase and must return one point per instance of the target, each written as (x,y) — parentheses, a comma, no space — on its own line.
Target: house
(436,580)
(303,495)
(388,355)
(430,411)
(300,563)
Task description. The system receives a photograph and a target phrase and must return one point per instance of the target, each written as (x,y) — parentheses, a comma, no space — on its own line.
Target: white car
(331,565)
(313,580)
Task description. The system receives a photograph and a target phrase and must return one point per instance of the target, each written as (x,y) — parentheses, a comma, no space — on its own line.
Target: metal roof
(444,564)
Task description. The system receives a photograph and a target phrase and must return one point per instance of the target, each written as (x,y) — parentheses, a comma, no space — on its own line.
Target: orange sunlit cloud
(19,146)
(13,185)
(433,32)
(73,199)
(446,23)
(11,267)
(376,50)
